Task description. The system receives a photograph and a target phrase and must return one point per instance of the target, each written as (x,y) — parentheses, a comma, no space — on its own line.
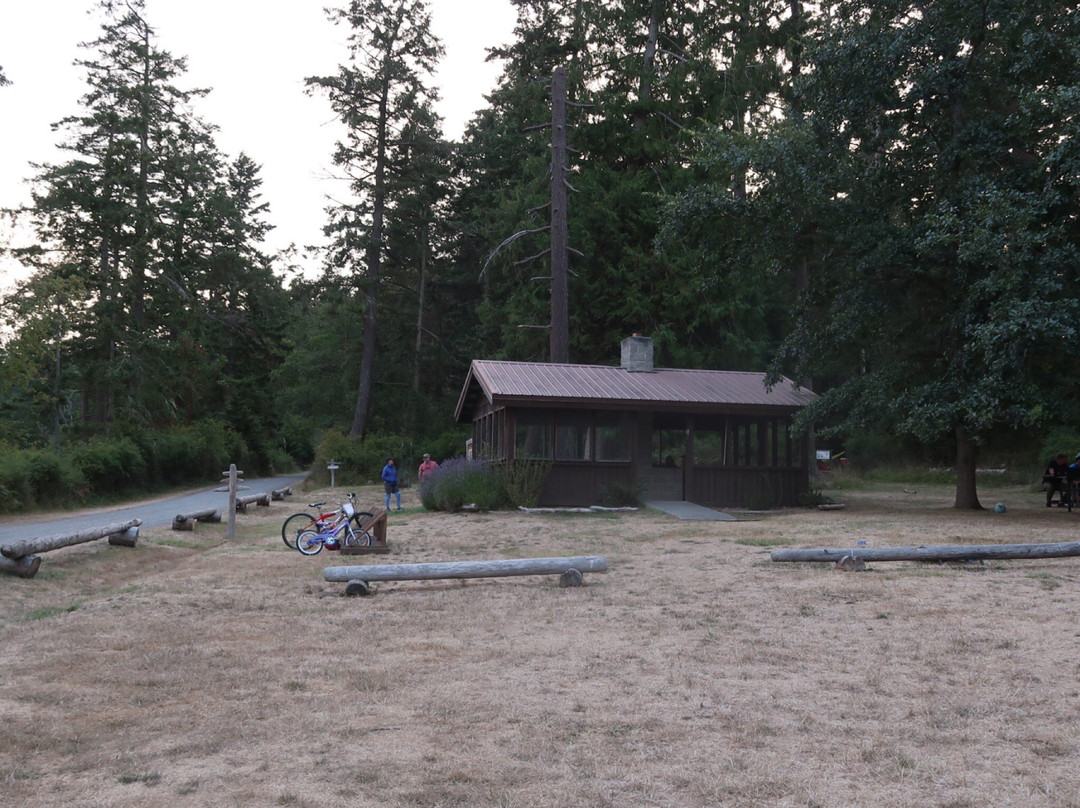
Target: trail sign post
(231,479)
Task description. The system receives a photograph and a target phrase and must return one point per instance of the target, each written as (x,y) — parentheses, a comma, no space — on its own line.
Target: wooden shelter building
(716,438)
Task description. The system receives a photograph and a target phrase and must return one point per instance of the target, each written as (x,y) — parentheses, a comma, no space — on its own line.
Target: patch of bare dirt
(198,671)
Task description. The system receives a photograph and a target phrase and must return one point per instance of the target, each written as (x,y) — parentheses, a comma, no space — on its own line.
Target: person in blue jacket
(390,482)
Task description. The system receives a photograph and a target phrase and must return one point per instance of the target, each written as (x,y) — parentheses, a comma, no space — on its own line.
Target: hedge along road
(155,513)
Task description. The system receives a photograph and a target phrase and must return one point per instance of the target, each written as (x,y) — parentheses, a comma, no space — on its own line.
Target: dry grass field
(195,671)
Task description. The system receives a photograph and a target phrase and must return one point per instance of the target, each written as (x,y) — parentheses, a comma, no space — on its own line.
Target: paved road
(153,514)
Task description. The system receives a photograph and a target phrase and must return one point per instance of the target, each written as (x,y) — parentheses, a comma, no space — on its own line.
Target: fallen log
(259,499)
(129,538)
(186,521)
(279,494)
(465,569)
(25,567)
(948,552)
(43,544)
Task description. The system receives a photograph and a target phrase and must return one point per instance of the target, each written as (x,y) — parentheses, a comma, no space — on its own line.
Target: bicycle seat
(316,504)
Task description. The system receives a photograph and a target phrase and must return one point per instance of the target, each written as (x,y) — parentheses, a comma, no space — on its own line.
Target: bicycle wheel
(294,526)
(355,537)
(309,542)
(359,517)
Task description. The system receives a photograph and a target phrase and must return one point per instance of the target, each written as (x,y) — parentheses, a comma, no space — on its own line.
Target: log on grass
(259,499)
(43,544)
(129,538)
(466,569)
(186,521)
(947,552)
(279,494)
(25,567)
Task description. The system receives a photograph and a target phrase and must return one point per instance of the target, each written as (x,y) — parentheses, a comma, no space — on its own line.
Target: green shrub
(811,499)
(110,465)
(31,478)
(359,461)
(621,495)
(522,481)
(459,482)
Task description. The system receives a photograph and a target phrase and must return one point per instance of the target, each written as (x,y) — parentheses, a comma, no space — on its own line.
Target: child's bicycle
(296,524)
(337,534)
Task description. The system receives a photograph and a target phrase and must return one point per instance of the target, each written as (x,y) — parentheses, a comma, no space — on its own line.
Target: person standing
(426,468)
(1054,479)
(390,482)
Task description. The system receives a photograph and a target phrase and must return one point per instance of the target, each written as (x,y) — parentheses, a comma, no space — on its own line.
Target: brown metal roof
(544,383)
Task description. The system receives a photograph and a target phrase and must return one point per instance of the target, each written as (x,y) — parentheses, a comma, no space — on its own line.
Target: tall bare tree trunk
(422,280)
(967,497)
(560,262)
(374,265)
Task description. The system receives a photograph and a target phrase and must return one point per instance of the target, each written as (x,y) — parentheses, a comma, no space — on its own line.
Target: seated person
(1054,478)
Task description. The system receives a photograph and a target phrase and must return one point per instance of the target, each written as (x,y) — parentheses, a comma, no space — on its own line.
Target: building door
(665,476)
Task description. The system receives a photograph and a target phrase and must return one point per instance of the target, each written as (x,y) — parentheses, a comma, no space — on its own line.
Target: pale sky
(255,57)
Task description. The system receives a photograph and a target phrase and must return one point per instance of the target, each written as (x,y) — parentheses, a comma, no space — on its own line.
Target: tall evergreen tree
(156,237)
(926,179)
(643,75)
(379,94)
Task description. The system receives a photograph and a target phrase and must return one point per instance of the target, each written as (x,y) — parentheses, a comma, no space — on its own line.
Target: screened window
(534,435)
(708,447)
(573,435)
(669,446)
(611,441)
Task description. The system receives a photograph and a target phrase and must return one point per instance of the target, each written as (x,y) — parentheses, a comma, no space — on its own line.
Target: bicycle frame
(298,523)
(335,535)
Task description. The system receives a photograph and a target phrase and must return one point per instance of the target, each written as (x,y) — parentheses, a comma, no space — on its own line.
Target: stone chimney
(637,354)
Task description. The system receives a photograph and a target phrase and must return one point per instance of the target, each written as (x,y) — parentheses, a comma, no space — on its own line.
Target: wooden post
(232,473)
(466,569)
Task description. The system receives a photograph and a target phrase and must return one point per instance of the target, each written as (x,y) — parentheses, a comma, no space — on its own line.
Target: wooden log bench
(262,500)
(375,527)
(186,521)
(21,557)
(947,552)
(569,569)
(278,494)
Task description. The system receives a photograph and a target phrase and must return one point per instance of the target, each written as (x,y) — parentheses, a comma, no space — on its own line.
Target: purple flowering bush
(459,482)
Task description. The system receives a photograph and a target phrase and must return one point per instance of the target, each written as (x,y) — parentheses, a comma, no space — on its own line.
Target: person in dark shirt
(1057,472)
(390,482)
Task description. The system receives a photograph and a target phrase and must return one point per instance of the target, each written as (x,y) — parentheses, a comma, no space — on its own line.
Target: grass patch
(150,779)
(752,542)
(47,612)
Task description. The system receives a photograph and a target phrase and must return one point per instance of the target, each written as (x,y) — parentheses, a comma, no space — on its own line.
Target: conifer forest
(879,200)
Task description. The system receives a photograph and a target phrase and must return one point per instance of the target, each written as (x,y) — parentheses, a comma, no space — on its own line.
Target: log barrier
(279,494)
(948,552)
(259,499)
(20,558)
(569,569)
(43,544)
(186,521)
(25,567)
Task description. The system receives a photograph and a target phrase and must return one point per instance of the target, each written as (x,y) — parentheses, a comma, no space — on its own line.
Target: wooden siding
(741,486)
(579,485)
